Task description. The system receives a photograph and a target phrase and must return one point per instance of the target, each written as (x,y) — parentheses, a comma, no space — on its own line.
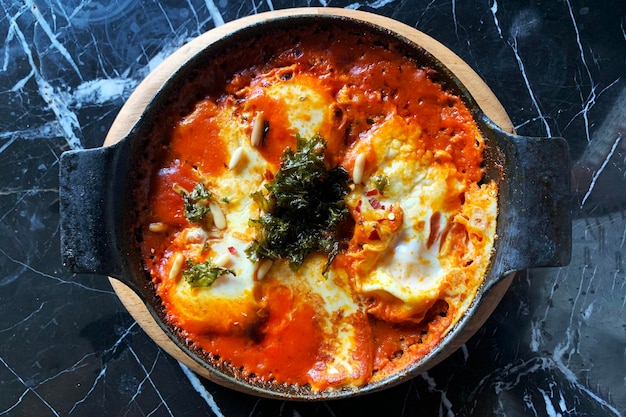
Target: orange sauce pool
(283,347)
(369,82)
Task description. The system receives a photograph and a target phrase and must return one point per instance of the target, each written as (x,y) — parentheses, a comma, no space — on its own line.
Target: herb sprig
(197,203)
(304,208)
(203,274)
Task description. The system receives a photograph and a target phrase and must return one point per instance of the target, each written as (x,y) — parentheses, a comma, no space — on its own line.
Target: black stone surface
(556,344)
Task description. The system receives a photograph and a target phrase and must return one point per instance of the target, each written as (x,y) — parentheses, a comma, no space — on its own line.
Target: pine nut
(218,215)
(179,189)
(157,227)
(195,235)
(177,265)
(263,268)
(442,155)
(359,168)
(223,260)
(257,130)
(235,158)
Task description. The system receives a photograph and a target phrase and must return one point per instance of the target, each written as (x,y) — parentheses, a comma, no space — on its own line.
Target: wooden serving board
(136,103)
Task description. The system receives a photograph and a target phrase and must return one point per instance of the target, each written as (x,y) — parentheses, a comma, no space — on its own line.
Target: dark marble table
(555,346)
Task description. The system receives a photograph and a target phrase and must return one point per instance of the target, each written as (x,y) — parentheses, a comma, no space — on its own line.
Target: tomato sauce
(176,172)
(369,83)
(283,347)
(280,134)
(197,141)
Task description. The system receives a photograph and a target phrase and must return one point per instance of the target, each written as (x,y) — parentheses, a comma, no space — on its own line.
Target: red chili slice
(375,203)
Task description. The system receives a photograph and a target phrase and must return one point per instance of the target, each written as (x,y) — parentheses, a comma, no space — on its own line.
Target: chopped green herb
(266,204)
(197,203)
(304,208)
(203,274)
(380,182)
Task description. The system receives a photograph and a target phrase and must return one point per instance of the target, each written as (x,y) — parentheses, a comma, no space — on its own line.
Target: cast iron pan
(98,205)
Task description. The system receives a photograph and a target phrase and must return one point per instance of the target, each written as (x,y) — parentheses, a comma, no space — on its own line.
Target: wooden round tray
(133,108)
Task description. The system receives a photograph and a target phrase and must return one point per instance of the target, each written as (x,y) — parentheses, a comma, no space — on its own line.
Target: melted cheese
(307,105)
(410,274)
(423,227)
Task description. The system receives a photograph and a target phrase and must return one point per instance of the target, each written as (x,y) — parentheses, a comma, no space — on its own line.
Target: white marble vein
(590,100)
(597,174)
(587,293)
(27,390)
(25,319)
(102,374)
(516,31)
(64,115)
(200,389)
(514,46)
(54,42)
(88,395)
(454,18)
(147,378)
(494,14)
(446,405)
(217,17)
(27,267)
(377,4)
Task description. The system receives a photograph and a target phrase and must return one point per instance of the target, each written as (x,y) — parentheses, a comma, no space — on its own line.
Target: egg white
(406,269)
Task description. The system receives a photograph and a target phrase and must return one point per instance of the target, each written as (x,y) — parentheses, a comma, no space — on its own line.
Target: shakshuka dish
(319,217)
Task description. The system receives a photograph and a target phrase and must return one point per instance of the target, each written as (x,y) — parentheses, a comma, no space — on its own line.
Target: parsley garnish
(203,274)
(197,203)
(380,182)
(304,208)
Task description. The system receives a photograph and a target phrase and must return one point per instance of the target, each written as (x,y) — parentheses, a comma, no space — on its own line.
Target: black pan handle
(91,192)
(534,220)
